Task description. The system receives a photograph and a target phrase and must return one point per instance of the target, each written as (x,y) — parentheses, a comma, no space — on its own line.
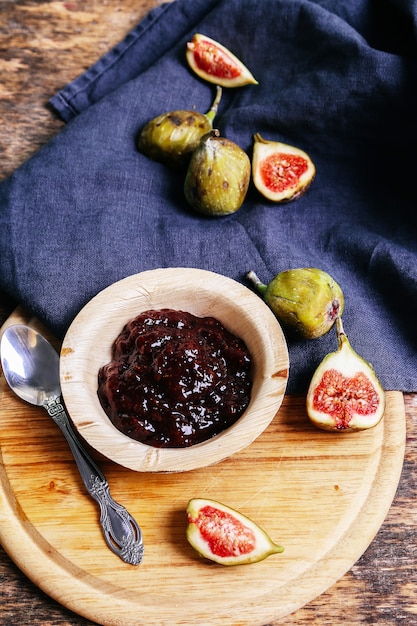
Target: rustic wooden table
(44,45)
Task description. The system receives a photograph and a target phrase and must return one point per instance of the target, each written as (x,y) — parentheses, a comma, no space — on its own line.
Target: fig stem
(211,114)
(253,278)
(259,139)
(341,335)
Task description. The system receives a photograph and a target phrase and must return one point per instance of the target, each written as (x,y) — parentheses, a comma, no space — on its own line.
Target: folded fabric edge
(107,74)
(69,102)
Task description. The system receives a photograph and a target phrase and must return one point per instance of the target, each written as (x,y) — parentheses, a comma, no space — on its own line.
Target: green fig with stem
(172,137)
(306,301)
(218,176)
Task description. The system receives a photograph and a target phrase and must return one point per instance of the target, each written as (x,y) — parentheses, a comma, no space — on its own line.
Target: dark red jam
(175,379)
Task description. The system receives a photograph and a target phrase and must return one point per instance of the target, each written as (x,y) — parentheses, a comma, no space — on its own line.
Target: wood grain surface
(43,45)
(309,490)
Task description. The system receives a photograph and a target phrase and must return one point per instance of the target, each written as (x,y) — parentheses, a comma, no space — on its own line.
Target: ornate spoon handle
(121,531)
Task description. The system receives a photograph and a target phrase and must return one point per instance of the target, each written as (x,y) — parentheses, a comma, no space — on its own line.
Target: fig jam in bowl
(173,369)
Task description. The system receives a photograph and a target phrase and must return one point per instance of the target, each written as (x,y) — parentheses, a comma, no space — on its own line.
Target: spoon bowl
(30,364)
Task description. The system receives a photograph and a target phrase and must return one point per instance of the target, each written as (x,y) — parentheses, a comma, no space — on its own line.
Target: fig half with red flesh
(222,534)
(345,394)
(214,63)
(280,172)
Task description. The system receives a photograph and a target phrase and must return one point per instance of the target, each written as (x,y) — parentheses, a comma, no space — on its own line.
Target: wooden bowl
(88,346)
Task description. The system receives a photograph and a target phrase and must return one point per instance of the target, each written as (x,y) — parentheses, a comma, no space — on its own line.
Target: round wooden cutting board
(322,496)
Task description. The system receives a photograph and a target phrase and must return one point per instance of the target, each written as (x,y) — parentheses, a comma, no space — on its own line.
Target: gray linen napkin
(336,79)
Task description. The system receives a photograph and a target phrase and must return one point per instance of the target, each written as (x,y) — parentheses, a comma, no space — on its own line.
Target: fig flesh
(218,176)
(222,534)
(280,172)
(345,394)
(306,301)
(172,137)
(216,64)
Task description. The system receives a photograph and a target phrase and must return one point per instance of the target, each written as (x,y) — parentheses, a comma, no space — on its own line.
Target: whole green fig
(172,137)
(218,176)
(307,301)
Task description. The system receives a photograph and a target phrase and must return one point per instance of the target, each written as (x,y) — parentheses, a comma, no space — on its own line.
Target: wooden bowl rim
(88,342)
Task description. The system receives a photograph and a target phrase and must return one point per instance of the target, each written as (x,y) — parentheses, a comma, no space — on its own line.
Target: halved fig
(224,535)
(345,393)
(280,172)
(216,64)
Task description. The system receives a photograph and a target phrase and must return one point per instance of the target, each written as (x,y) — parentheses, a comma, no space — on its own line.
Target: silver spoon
(31,368)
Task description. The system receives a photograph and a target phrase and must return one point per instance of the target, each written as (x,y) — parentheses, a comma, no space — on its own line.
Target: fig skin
(280,172)
(218,176)
(214,63)
(345,394)
(172,137)
(306,301)
(226,536)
